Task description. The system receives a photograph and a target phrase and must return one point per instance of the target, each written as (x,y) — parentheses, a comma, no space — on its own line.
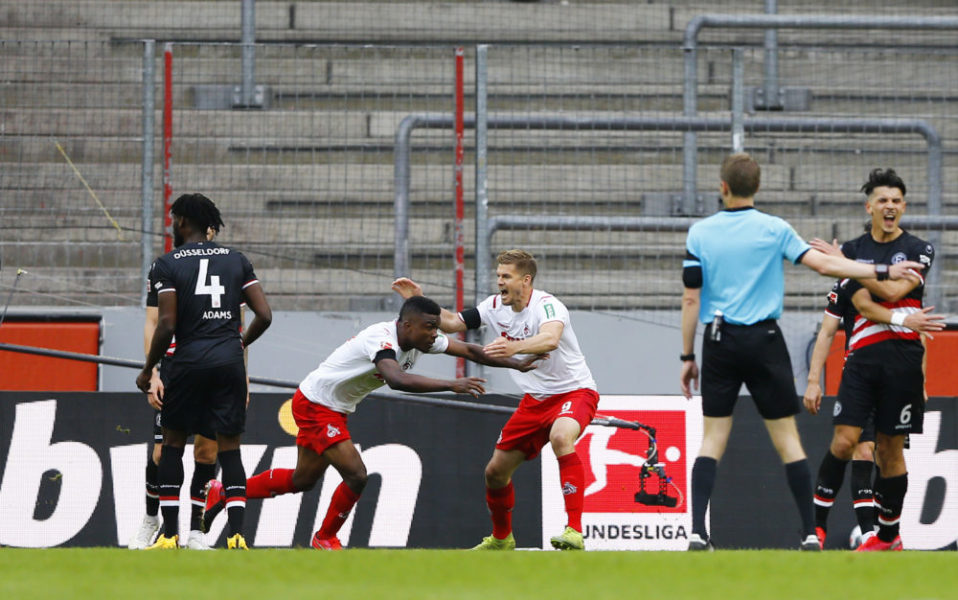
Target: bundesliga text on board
(618,514)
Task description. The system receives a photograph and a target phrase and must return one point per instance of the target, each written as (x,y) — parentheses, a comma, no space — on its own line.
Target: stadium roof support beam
(403,151)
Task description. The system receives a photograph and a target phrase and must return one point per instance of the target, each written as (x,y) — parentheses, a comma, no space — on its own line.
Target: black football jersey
(151,301)
(878,342)
(208,280)
(840,306)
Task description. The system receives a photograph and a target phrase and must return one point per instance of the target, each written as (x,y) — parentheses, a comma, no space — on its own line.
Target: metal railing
(770,22)
(409,124)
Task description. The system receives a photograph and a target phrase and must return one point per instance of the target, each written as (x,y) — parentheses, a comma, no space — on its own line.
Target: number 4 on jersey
(214,289)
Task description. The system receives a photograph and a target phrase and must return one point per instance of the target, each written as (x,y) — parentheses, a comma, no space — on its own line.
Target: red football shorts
(319,427)
(528,428)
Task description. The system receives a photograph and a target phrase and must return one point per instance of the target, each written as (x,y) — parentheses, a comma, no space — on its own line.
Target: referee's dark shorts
(755,355)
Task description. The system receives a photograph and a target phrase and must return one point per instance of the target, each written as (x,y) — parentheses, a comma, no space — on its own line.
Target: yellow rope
(119,231)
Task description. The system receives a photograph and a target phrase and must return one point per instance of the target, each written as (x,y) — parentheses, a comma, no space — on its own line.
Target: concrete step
(303,188)
(309,289)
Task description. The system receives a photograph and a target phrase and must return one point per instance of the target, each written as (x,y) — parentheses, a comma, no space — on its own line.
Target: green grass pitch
(101,573)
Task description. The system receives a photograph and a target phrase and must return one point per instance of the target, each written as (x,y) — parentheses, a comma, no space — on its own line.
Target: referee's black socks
(703,481)
(831,473)
(800,482)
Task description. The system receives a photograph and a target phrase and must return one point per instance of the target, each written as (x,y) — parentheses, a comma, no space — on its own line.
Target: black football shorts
(893,391)
(755,355)
(206,399)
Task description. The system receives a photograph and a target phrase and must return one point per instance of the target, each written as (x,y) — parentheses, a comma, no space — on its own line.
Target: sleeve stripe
(250,283)
(164,290)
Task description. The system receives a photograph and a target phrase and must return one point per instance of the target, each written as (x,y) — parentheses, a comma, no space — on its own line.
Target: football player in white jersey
(560,396)
(379,355)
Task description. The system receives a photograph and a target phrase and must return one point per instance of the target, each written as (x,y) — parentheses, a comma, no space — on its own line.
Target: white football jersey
(348,374)
(565,369)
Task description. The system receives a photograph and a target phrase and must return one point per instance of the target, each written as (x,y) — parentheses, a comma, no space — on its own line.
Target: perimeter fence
(306,179)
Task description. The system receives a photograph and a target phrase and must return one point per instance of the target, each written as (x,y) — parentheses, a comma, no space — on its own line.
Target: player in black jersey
(200,286)
(883,370)
(841,311)
(204,443)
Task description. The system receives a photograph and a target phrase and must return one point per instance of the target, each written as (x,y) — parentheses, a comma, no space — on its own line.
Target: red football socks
(270,483)
(500,503)
(572,477)
(343,501)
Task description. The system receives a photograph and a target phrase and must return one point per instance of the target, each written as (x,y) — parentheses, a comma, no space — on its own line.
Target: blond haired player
(559,400)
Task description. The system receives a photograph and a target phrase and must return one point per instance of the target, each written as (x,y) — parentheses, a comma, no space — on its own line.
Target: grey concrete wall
(629,353)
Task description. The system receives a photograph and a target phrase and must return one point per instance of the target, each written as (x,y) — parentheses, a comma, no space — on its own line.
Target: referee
(734,280)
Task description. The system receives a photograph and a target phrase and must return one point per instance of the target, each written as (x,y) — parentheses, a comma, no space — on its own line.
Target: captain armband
(471,318)
(384,354)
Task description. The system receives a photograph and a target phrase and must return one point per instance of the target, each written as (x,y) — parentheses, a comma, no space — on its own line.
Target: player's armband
(383,354)
(471,318)
(692,277)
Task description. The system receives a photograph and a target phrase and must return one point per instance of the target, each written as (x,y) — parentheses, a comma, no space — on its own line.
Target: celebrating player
(560,396)
(379,355)
(200,286)
(841,311)
(883,373)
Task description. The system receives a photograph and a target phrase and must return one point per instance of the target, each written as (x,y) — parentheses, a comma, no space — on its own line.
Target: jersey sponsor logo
(217,314)
(512,339)
(187,252)
(898,257)
(550,311)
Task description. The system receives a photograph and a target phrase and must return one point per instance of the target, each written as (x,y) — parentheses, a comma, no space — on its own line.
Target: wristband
(881,272)
(685,357)
(898,318)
